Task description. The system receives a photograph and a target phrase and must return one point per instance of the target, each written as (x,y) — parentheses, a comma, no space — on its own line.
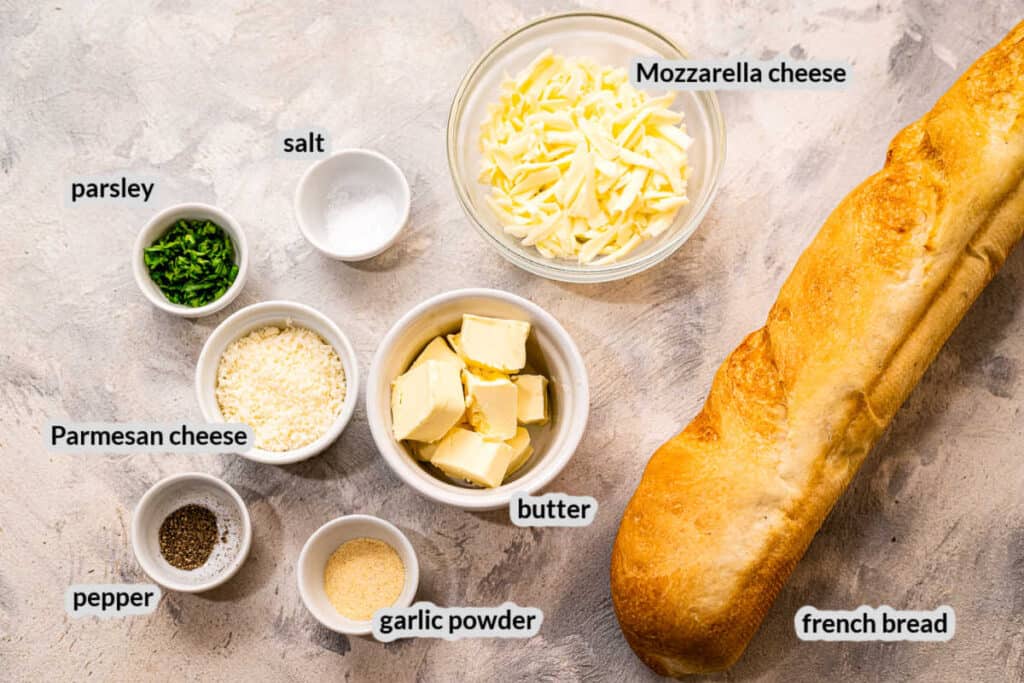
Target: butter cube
(438,350)
(479,374)
(491,399)
(521,450)
(464,454)
(456,342)
(532,404)
(427,401)
(494,343)
(424,451)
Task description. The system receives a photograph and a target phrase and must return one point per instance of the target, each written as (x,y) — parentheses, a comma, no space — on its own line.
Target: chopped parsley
(193,263)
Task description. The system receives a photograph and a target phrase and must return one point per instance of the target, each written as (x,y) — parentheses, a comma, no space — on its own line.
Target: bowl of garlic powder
(285,370)
(353,566)
(568,170)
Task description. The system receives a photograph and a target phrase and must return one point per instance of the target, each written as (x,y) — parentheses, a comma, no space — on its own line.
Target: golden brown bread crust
(726,508)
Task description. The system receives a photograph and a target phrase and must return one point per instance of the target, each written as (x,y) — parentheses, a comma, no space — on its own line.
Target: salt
(359,218)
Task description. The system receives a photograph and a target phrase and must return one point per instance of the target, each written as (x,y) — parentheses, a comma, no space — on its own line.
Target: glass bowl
(609,40)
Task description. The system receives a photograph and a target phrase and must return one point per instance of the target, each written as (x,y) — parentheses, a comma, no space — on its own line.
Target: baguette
(726,509)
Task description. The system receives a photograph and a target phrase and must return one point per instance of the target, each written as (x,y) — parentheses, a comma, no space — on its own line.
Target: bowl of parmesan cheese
(567,169)
(285,370)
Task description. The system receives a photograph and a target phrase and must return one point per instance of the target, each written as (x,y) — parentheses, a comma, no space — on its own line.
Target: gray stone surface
(194,93)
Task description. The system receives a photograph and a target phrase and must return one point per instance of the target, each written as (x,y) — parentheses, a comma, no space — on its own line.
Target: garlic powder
(362,576)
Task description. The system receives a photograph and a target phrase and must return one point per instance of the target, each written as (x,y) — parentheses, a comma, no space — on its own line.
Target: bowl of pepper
(191,532)
(191,260)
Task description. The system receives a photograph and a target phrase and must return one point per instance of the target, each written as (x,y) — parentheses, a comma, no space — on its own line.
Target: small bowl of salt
(352,205)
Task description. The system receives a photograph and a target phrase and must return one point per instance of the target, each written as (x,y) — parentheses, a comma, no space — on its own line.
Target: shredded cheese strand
(581,164)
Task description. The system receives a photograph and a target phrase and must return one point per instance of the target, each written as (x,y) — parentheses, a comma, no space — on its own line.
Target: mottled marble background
(193,93)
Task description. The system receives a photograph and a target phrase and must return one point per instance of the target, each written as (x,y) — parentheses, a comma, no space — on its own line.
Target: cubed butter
(521,450)
(427,401)
(438,350)
(532,400)
(491,399)
(494,343)
(424,451)
(464,454)
(456,343)
(479,374)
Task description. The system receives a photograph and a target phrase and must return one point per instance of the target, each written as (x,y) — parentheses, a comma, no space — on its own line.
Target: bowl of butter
(477,394)
(569,170)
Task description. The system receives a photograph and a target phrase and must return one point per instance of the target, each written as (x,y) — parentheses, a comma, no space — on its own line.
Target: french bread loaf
(725,509)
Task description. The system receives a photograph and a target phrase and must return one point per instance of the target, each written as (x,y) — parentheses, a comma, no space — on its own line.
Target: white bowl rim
(404,195)
(412,570)
(349,361)
(227,223)
(153,572)
(560,269)
(477,499)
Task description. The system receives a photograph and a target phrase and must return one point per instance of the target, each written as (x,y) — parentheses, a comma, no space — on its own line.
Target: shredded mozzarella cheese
(582,165)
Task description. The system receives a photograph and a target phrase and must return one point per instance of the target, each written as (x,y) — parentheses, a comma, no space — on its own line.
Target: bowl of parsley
(191,260)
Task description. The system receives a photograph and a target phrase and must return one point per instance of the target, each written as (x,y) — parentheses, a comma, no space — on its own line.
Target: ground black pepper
(187,536)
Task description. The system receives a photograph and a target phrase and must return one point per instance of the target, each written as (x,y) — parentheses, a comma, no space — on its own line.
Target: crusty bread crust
(727,508)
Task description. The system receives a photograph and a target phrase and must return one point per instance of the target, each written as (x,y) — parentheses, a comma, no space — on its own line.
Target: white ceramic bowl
(249,318)
(322,544)
(340,196)
(550,350)
(161,223)
(234,526)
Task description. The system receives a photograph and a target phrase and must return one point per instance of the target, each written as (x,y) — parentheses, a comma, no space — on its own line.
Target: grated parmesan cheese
(287,383)
(581,164)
